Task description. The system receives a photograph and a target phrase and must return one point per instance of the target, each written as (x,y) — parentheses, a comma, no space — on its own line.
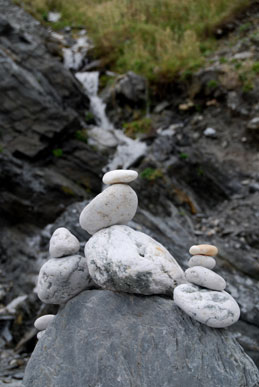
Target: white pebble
(117,204)
(120,176)
(43,322)
(63,243)
(210,132)
(206,278)
(212,308)
(202,260)
(203,250)
(40,334)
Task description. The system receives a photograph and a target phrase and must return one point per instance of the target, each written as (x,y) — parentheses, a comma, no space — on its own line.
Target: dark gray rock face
(109,339)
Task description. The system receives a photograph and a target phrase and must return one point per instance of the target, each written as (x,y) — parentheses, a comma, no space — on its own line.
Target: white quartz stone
(122,259)
(62,278)
(202,260)
(204,250)
(120,176)
(40,334)
(117,204)
(63,243)
(43,322)
(206,278)
(212,308)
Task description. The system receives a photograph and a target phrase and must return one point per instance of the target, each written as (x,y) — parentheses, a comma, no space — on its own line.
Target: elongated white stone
(212,308)
(202,260)
(43,322)
(204,250)
(120,176)
(63,243)
(202,276)
(62,278)
(117,204)
(122,259)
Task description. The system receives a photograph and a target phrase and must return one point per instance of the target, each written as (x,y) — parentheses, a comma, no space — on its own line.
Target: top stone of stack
(120,176)
(204,250)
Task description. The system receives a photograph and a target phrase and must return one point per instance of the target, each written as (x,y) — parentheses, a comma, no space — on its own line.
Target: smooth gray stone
(107,339)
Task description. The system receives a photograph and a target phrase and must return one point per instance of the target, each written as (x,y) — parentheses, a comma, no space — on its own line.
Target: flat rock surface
(120,258)
(106,339)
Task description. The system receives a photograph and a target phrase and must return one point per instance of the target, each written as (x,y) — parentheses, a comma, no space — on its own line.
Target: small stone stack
(65,274)
(206,300)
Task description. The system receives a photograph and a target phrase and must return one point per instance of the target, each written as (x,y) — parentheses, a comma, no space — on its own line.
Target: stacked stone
(119,258)
(66,273)
(204,298)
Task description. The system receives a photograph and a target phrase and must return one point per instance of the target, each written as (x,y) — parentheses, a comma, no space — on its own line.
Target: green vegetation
(255,67)
(212,84)
(151,174)
(183,156)
(132,129)
(157,38)
(57,152)
(89,118)
(81,135)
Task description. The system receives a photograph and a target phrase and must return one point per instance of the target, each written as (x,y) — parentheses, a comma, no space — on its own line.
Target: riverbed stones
(206,278)
(212,308)
(203,250)
(117,204)
(62,278)
(122,259)
(63,243)
(202,260)
(120,176)
(43,322)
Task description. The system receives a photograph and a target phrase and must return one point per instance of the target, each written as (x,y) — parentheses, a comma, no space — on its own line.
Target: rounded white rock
(122,259)
(203,250)
(63,278)
(206,278)
(212,308)
(120,176)
(202,260)
(40,334)
(63,243)
(43,322)
(117,204)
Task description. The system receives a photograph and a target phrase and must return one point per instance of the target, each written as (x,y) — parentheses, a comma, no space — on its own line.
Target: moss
(81,135)
(183,156)
(255,67)
(67,190)
(57,152)
(151,174)
(132,129)
(212,84)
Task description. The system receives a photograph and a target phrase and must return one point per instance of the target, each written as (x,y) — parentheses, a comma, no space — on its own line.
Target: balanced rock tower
(129,315)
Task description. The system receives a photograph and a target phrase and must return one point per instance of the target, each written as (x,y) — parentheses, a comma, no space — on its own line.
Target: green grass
(57,152)
(156,38)
(151,174)
(134,128)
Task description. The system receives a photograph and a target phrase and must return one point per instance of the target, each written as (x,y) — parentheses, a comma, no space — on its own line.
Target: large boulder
(107,339)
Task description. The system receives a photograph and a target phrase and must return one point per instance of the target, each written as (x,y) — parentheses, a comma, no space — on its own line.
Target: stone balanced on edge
(119,258)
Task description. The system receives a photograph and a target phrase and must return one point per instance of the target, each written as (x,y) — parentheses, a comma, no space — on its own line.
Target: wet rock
(173,347)
(122,259)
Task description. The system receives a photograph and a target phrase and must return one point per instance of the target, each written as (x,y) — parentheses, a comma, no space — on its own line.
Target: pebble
(43,322)
(40,334)
(117,204)
(203,250)
(206,278)
(210,132)
(63,278)
(122,259)
(253,124)
(202,260)
(212,308)
(63,243)
(120,176)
